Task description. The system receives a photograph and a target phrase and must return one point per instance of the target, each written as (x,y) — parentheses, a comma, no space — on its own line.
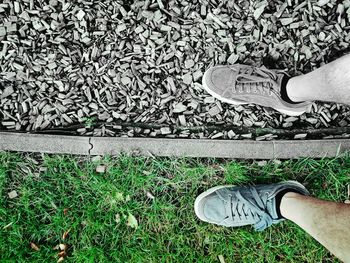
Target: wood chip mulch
(82,63)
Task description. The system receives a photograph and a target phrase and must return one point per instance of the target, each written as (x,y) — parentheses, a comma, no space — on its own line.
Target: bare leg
(331,82)
(327,222)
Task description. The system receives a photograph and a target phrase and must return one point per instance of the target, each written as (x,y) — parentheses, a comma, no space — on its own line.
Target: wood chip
(322,2)
(7,92)
(232,59)
(80,15)
(286,21)
(189,63)
(259,10)
(165,130)
(2,31)
(187,78)
(300,136)
(179,108)
(134,62)
(214,111)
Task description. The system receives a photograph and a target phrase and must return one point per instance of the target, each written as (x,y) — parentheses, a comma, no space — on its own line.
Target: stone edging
(243,149)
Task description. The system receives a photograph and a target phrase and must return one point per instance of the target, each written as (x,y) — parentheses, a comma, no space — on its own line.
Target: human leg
(327,222)
(264,205)
(330,82)
(243,84)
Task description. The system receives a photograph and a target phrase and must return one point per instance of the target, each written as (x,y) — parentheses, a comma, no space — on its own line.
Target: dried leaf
(150,195)
(221,259)
(101,169)
(34,246)
(65,234)
(62,254)
(117,218)
(62,246)
(132,221)
(12,194)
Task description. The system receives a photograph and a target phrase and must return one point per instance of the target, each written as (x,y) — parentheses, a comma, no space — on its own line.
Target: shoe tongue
(214,209)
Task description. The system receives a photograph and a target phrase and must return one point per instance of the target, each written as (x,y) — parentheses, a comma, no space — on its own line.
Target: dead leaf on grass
(221,259)
(117,218)
(101,169)
(12,194)
(119,197)
(34,246)
(324,185)
(62,246)
(132,221)
(65,211)
(65,234)
(62,254)
(150,195)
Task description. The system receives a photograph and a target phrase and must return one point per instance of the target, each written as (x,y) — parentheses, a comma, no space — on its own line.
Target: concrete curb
(23,142)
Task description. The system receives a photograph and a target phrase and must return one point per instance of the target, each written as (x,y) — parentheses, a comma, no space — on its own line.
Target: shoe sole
(234,102)
(213,189)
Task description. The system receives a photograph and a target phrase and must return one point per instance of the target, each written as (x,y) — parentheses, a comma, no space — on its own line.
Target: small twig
(209,128)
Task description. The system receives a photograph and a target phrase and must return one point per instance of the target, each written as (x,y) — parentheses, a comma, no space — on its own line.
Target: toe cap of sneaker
(210,209)
(217,79)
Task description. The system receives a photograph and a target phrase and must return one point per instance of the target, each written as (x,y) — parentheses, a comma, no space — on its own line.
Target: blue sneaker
(234,206)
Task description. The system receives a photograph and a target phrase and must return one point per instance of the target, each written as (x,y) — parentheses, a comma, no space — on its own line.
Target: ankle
(287,204)
(293,89)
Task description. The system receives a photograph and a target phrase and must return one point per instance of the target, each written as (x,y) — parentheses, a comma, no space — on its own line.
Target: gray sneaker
(241,84)
(234,206)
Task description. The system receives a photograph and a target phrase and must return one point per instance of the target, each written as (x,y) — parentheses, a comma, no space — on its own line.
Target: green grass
(60,193)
